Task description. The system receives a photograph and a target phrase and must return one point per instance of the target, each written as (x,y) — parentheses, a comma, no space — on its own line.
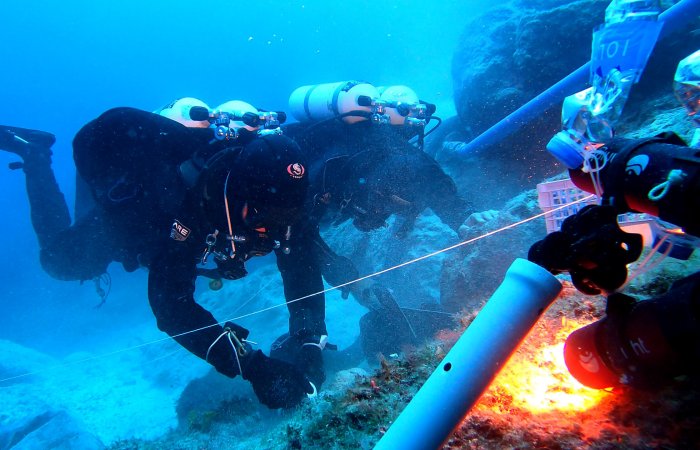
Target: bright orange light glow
(536,379)
(675,231)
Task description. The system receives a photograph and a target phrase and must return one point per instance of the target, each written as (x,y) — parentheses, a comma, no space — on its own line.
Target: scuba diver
(367,157)
(365,174)
(646,343)
(367,164)
(169,197)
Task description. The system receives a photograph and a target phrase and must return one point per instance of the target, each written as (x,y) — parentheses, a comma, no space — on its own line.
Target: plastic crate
(554,194)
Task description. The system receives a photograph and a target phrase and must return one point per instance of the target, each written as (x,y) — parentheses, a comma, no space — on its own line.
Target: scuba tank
(401,106)
(354,102)
(234,123)
(236,119)
(180,111)
(318,102)
(236,109)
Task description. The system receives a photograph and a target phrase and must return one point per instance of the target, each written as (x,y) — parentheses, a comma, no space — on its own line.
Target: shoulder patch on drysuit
(179,232)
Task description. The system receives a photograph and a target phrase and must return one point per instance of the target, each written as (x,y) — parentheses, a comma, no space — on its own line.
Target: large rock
(203,397)
(520,49)
(510,55)
(411,285)
(504,59)
(470,275)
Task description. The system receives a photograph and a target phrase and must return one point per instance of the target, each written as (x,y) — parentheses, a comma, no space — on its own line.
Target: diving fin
(20,140)
(390,305)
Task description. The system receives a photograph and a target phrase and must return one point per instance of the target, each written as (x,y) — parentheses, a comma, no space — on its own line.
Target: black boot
(49,211)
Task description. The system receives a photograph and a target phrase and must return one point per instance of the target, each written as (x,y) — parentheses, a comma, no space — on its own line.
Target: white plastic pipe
(477,357)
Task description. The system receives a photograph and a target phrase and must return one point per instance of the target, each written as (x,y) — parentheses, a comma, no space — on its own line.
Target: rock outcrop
(511,54)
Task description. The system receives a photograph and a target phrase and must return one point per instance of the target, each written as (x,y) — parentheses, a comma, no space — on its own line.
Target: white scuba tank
(179,111)
(324,101)
(397,94)
(238,108)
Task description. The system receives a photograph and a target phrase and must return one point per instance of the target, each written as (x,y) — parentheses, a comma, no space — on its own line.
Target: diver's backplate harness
(230,250)
(233,249)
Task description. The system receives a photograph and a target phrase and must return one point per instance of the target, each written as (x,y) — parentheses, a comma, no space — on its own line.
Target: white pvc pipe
(477,357)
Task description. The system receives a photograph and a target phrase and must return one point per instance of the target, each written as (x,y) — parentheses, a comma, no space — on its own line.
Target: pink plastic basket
(554,194)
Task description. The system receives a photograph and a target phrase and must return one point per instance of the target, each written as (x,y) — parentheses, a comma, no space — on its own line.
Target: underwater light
(537,379)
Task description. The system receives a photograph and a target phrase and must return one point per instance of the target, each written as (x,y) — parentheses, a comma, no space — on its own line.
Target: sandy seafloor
(128,380)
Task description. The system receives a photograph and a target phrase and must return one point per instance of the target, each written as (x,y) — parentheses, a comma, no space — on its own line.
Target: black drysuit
(366,172)
(130,159)
(376,172)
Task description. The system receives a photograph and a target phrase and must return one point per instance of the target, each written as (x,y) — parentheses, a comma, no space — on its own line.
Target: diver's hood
(261,185)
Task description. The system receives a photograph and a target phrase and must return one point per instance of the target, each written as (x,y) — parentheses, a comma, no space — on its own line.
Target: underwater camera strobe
(658,176)
(640,344)
(584,360)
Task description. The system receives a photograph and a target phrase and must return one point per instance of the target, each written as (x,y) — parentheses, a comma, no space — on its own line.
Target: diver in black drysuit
(366,172)
(145,215)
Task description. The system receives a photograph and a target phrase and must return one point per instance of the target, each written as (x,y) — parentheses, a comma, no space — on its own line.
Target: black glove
(592,248)
(339,270)
(306,354)
(277,384)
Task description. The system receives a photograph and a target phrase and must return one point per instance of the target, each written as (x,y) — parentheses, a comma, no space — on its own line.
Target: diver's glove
(305,353)
(338,270)
(310,359)
(277,384)
(592,248)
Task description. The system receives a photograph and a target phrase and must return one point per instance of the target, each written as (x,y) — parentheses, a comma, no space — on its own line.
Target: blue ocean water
(64,63)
